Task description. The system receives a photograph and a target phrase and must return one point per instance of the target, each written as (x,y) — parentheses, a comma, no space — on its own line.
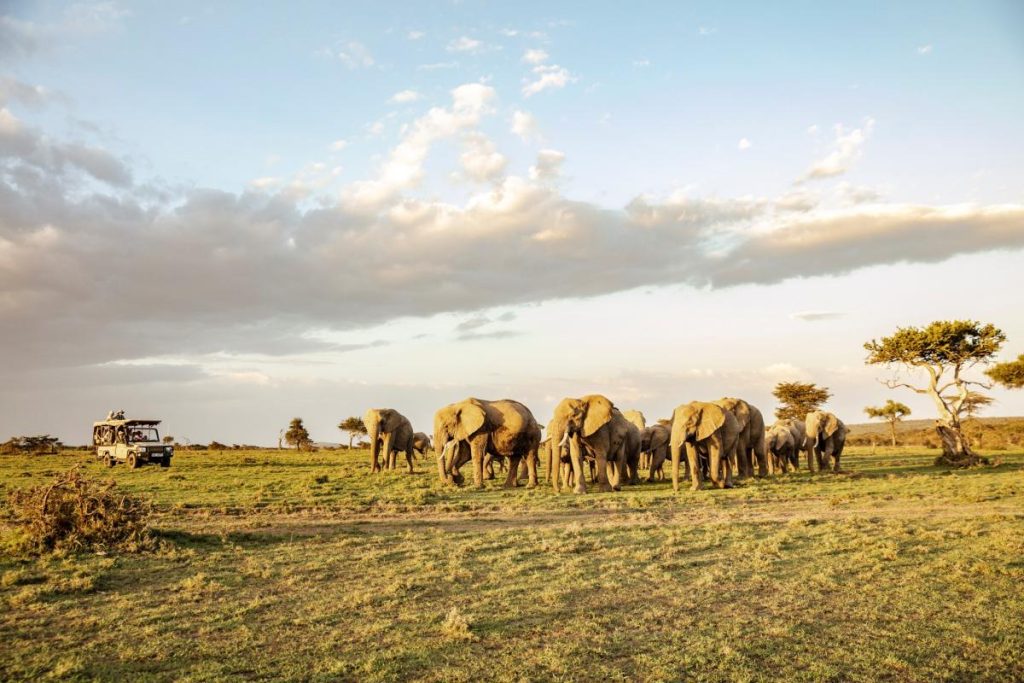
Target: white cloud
(641,63)
(548,166)
(743,144)
(480,160)
(415,35)
(707,31)
(845,151)
(355,55)
(812,316)
(547,78)
(524,124)
(813,129)
(339,145)
(265,183)
(435,66)
(535,56)
(404,97)
(924,50)
(465,44)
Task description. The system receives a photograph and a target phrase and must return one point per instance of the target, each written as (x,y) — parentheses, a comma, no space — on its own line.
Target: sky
(226,215)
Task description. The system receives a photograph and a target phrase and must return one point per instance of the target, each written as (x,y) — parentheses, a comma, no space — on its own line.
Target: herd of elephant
(712,441)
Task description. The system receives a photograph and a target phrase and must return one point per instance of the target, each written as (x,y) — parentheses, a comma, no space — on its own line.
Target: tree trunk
(892,428)
(956,452)
(350,437)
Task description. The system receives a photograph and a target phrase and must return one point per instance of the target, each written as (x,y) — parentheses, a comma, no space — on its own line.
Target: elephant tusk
(565,440)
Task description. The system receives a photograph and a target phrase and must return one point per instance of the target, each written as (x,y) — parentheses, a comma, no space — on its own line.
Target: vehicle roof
(127,423)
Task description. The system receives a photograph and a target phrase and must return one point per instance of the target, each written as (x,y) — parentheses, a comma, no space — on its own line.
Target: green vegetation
(297,435)
(945,349)
(354,426)
(1010,373)
(892,412)
(270,566)
(796,399)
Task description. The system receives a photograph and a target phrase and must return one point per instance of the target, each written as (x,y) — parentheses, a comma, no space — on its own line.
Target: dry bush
(74,513)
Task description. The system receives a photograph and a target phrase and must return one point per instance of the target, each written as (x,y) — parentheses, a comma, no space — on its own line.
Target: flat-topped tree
(354,426)
(944,349)
(796,399)
(1010,374)
(892,412)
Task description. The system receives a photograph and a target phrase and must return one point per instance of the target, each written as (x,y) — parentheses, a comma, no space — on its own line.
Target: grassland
(275,565)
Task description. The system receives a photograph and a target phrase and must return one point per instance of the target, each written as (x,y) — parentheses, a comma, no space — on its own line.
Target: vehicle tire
(108,460)
(166,462)
(133,461)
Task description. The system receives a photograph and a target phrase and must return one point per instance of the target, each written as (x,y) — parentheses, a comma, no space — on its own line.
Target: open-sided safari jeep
(135,442)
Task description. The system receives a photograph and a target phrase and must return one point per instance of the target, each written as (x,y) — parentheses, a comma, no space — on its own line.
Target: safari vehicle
(134,442)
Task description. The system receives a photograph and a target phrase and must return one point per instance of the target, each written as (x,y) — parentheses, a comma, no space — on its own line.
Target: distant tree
(1010,373)
(975,403)
(944,349)
(892,412)
(43,443)
(354,426)
(796,399)
(297,435)
(217,446)
(168,440)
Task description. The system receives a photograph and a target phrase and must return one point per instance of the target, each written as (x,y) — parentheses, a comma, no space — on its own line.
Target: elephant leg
(477,452)
(531,469)
(576,456)
(512,477)
(835,460)
(694,465)
(602,471)
(408,457)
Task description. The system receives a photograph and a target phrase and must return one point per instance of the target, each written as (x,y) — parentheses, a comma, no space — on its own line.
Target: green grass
(277,565)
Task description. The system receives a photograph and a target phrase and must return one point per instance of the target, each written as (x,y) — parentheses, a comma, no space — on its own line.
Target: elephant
(478,428)
(591,426)
(654,444)
(391,432)
(781,447)
(751,438)
(421,443)
(636,418)
(799,431)
(826,437)
(701,426)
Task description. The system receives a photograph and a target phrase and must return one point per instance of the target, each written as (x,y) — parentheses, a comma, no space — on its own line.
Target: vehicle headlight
(169,450)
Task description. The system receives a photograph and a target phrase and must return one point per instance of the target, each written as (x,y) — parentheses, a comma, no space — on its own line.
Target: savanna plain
(304,566)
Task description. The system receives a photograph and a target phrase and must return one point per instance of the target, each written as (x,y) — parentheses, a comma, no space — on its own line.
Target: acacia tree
(892,412)
(1010,373)
(796,399)
(297,435)
(975,403)
(354,426)
(944,349)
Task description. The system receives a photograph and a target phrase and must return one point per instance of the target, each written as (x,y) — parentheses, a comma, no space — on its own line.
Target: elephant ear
(711,419)
(390,419)
(829,424)
(471,419)
(599,413)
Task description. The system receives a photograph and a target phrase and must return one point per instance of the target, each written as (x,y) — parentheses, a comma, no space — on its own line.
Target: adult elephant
(479,428)
(826,437)
(750,444)
(781,447)
(389,432)
(637,419)
(421,443)
(592,426)
(700,426)
(654,443)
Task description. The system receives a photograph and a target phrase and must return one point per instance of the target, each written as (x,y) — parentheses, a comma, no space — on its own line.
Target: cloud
(812,316)
(415,35)
(355,55)
(404,97)
(547,78)
(201,271)
(524,125)
(535,56)
(18,39)
(465,44)
(706,31)
(339,145)
(743,145)
(641,63)
(845,152)
(924,50)
(436,65)
(548,166)
(480,160)
(403,169)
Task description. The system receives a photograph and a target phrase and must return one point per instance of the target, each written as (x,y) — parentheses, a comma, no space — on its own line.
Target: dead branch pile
(75,513)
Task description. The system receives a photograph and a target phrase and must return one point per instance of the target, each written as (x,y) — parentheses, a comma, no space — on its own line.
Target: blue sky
(341,204)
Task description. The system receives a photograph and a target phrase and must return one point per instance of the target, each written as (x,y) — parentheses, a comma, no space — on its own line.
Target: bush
(74,513)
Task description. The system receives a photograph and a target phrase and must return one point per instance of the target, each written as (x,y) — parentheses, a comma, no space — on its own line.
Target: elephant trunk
(373,434)
(446,460)
(715,463)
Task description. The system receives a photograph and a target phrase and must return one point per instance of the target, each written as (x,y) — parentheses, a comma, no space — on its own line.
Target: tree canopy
(796,399)
(354,426)
(1010,373)
(892,412)
(297,435)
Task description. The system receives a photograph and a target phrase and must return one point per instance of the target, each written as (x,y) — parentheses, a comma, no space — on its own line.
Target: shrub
(74,513)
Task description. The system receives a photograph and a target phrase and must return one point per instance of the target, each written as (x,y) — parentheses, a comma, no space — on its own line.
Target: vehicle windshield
(143,435)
